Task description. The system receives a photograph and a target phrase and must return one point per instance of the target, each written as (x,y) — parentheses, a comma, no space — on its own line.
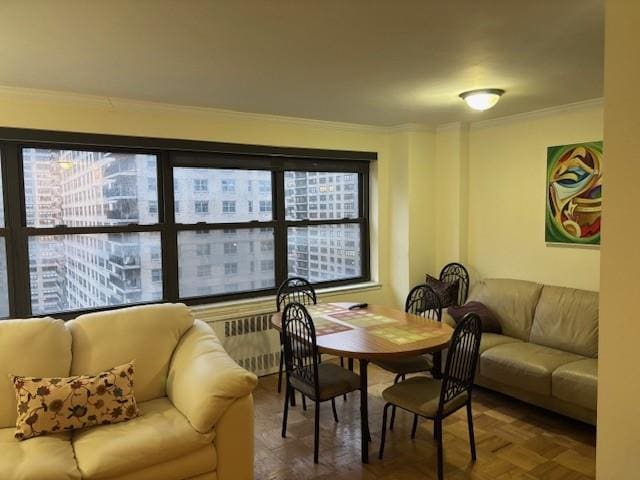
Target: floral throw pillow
(50,405)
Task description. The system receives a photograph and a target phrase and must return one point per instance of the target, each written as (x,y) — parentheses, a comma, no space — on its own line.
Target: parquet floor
(514,441)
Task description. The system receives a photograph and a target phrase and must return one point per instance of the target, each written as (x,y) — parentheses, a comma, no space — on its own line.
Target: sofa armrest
(203,380)
(234,441)
(448,319)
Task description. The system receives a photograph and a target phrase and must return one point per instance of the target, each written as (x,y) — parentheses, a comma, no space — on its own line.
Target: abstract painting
(574,194)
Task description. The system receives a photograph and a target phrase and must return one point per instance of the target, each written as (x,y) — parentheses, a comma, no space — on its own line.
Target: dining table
(372,332)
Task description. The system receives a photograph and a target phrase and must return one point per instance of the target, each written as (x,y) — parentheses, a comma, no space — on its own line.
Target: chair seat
(421,395)
(402,366)
(333,380)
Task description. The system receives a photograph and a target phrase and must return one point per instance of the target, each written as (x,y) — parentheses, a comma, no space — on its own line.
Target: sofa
(547,352)
(196,405)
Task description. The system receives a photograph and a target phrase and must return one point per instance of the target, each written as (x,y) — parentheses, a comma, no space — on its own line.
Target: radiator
(248,338)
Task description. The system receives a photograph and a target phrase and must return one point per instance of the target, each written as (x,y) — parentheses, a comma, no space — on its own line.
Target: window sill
(259,305)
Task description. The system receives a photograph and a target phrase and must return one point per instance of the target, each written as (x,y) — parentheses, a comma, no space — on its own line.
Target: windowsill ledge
(254,306)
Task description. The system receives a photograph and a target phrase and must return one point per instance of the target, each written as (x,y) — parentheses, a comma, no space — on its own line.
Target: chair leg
(280,369)
(316,438)
(304,402)
(286,410)
(472,440)
(393,418)
(342,362)
(384,430)
(292,397)
(333,407)
(438,430)
(415,426)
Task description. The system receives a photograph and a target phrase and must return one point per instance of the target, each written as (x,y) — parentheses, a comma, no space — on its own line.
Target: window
(201,206)
(200,185)
(97,233)
(228,186)
(228,206)
(312,235)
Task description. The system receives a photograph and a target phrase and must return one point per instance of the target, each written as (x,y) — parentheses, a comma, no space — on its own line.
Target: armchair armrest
(203,380)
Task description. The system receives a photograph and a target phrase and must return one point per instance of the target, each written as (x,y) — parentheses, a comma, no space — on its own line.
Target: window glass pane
(324,252)
(4,293)
(72,272)
(221,195)
(321,195)
(214,262)
(1,198)
(78,188)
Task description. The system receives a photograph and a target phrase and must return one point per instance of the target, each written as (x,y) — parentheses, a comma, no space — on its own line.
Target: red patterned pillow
(49,405)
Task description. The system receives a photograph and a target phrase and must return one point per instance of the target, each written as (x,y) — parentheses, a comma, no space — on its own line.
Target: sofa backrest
(36,347)
(567,319)
(512,301)
(146,334)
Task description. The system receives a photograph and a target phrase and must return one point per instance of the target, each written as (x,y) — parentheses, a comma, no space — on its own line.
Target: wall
(618,385)
(502,205)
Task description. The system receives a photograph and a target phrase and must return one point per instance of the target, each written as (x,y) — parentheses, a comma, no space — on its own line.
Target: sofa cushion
(56,404)
(160,434)
(49,457)
(567,319)
(33,347)
(577,382)
(490,340)
(512,301)
(147,334)
(524,365)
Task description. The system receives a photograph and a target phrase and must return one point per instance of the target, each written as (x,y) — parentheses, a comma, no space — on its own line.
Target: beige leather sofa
(196,403)
(547,353)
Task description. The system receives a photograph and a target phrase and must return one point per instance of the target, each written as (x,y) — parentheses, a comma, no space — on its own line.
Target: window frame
(172,153)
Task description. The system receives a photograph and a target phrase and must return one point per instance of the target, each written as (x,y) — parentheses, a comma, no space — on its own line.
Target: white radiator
(247,336)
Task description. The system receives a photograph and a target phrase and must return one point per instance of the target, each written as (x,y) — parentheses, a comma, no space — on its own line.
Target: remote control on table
(358,305)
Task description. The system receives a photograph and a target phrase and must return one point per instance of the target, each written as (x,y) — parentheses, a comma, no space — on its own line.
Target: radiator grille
(251,341)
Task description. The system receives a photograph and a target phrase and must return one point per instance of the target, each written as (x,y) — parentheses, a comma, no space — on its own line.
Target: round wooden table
(373,340)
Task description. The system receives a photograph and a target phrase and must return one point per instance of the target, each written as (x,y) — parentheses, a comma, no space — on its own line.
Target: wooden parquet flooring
(514,441)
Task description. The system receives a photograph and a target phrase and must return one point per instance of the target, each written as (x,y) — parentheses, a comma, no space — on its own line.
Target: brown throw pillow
(447,292)
(488,320)
(49,405)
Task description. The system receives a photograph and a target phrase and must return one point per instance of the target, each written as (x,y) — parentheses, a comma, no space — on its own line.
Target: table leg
(364,411)
(350,364)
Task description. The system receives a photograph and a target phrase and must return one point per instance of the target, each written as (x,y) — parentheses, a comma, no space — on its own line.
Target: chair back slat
(424,301)
(295,289)
(460,369)
(300,348)
(456,271)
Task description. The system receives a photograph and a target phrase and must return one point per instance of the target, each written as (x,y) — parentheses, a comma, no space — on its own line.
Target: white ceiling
(382,62)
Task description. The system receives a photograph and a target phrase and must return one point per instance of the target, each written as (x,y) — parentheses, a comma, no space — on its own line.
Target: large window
(85,228)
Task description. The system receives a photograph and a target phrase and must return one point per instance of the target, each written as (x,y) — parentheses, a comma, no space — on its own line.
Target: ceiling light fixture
(482,99)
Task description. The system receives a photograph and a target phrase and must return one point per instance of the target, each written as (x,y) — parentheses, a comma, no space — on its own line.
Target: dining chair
(318,381)
(293,289)
(456,271)
(437,399)
(424,301)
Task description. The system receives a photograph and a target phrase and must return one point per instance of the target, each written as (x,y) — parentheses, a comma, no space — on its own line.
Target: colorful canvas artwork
(574,193)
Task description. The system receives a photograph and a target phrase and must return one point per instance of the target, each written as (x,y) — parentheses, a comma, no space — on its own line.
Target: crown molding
(127,104)
(410,127)
(543,112)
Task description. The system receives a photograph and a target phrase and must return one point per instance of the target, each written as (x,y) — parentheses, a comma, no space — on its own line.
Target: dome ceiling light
(483,98)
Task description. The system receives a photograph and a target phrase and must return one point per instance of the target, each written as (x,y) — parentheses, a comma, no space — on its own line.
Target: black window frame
(171,153)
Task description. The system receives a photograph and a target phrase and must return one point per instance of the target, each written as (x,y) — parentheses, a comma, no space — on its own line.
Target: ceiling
(366,61)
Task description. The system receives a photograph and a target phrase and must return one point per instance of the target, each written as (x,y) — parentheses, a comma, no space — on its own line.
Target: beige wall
(506,199)
(618,453)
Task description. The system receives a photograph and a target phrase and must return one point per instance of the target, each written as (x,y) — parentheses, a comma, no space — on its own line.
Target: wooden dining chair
(456,271)
(293,289)
(437,399)
(318,381)
(424,301)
